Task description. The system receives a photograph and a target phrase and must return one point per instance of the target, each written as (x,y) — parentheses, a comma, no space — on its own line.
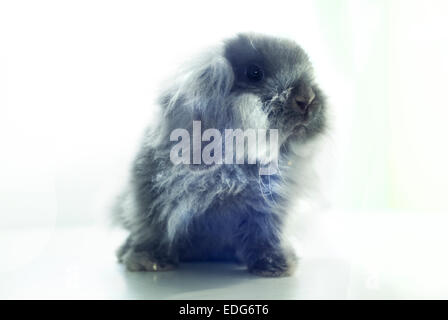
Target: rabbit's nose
(303,99)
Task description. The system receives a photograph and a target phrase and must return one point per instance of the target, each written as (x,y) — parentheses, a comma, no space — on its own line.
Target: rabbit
(194,211)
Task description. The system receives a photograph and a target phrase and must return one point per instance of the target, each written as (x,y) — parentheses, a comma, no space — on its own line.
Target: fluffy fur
(224,212)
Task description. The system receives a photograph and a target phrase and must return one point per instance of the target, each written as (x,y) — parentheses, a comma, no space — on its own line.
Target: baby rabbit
(193,210)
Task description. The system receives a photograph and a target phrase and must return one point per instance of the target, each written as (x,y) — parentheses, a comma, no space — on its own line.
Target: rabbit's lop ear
(203,85)
(216,79)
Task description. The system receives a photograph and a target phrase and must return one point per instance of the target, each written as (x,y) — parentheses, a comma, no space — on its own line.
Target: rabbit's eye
(254,73)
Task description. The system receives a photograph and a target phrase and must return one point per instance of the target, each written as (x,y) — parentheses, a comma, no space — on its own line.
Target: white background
(78,80)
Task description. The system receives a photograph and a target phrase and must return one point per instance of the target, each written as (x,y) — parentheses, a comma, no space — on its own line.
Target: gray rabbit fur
(198,212)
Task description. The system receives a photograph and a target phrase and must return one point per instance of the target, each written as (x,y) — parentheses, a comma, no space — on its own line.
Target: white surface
(343,256)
